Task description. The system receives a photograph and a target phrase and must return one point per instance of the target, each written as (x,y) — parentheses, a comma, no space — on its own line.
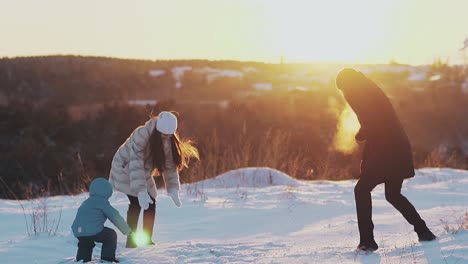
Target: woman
(151,150)
(387,156)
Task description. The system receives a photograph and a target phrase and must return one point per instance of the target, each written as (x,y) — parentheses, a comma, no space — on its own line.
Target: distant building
(213,74)
(178,73)
(249,69)
(263,87)
(417,76)
(157,73)
(142,102)
(464,86)
(219,103)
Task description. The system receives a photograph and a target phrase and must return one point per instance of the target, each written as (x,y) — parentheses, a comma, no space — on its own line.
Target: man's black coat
(387,151)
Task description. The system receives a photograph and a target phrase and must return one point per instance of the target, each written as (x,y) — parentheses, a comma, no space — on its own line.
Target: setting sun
(330,30)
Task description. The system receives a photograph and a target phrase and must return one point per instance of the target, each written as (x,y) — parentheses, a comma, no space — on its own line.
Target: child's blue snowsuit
(88,226)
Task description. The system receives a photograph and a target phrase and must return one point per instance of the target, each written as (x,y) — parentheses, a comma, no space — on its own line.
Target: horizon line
(281,61)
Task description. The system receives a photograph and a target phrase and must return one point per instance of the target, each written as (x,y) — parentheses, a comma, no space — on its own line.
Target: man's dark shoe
(110,260)
(368,246)
(426,235)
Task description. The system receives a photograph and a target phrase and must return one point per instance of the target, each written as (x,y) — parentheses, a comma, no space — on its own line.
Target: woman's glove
(144,199)
(171,179)
(174,194)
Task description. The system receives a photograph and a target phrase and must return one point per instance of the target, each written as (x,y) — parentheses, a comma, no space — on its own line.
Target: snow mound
(259,177)
(434,175)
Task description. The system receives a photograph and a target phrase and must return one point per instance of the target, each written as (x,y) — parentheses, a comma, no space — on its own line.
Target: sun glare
(141,238)
(328,30)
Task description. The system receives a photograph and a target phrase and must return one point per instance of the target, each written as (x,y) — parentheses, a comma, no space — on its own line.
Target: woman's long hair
(182,151)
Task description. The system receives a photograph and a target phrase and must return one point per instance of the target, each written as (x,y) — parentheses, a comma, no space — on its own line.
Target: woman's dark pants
(133,214)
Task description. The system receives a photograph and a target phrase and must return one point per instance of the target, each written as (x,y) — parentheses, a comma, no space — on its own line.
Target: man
(387,156)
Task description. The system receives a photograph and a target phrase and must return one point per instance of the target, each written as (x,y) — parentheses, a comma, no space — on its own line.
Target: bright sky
(359,31)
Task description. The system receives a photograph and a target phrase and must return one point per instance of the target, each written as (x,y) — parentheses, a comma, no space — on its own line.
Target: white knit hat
(167,123)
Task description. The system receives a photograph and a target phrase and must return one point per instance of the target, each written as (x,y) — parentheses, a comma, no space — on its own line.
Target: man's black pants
(362,194)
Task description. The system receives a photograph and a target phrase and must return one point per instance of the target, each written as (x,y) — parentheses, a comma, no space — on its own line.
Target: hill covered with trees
(63,117)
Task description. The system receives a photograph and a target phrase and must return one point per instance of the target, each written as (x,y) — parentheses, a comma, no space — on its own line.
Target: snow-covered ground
(226,221)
